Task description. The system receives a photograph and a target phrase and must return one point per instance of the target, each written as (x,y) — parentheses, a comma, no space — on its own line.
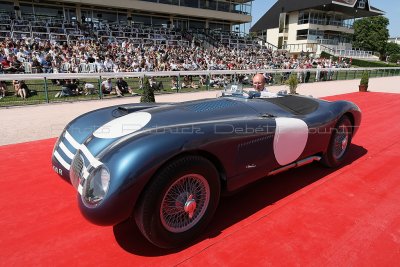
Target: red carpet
(308,216)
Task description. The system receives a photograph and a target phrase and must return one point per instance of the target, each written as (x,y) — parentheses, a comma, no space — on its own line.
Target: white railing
(317,48)
(50,76)
(354,53)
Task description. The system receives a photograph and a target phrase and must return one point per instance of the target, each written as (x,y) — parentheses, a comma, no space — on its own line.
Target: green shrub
(292,82)
(148,92)
(364,78)
(394,58)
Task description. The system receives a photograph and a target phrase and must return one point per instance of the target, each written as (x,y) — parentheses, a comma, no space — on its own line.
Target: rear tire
(339,143)
(179,202)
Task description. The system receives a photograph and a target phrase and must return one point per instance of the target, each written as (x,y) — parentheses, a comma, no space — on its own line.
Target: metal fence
(47,88)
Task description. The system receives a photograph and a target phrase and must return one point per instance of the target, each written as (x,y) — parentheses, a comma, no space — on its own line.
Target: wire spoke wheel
(184,203)
(341,142)
(179,202)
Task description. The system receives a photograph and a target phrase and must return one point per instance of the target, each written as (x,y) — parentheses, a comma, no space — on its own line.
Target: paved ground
(22,124)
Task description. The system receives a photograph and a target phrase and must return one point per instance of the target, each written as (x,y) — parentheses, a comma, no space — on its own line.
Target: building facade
(395,40)
(183,14)
(309,24)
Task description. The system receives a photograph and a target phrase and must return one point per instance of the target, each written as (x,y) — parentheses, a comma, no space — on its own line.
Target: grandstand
(211,23)
(172,14)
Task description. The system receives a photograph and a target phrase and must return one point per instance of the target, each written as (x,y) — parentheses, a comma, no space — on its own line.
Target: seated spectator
(16,65)
(6,65)
(47,65)
(67,89)
(174,83)
(22,89)
(156,86)
(108,89)
(123,86)
(36,66)
(3,89)
(269,79)
(194,86)
(203,80)
(185,83)
(89,89)
(15,85)
(73,85)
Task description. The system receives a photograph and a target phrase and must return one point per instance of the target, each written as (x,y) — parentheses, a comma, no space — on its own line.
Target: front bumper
(115,207)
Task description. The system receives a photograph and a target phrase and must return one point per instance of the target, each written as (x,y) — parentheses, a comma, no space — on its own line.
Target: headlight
(96,186)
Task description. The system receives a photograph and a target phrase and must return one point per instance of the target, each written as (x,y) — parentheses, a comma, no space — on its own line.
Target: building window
(159,22)
(302,34)
(190,3)
(219,26)
(6,8)
(197,24)
(169,2)
(283,20)
(303,17)
(142,19)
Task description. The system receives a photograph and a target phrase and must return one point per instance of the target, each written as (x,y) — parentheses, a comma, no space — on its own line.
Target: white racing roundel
(123,125)
(290,139)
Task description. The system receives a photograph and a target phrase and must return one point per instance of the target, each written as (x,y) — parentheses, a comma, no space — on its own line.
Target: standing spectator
(318,73)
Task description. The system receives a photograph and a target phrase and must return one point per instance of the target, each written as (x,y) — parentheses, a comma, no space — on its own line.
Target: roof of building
(270,19)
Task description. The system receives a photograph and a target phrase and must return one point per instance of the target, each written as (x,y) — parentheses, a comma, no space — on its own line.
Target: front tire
(339,143)
(179,202)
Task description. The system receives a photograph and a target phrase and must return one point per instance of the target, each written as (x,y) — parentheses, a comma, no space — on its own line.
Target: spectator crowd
(45,56)
(93,56)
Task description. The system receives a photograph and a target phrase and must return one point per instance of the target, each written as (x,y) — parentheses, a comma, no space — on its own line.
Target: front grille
(77,165)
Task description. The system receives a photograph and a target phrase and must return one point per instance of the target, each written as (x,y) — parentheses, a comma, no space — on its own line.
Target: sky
(391,8)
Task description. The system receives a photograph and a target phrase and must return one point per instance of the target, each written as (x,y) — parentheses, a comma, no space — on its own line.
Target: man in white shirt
(259,85)
(259,82)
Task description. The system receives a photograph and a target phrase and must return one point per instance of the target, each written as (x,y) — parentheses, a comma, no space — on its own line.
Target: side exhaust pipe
(295,165)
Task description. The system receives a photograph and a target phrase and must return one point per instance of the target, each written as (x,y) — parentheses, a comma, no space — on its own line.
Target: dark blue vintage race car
(166,165)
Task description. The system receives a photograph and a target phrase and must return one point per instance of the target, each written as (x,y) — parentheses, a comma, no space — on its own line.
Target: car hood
(127,121)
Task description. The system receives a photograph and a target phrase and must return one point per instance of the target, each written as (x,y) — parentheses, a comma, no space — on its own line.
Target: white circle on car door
(290,139)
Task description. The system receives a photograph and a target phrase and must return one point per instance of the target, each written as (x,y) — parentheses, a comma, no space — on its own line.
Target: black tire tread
(327,158)
(144,211)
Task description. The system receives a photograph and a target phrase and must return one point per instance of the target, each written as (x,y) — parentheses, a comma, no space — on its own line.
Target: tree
(392,49)
(371,34)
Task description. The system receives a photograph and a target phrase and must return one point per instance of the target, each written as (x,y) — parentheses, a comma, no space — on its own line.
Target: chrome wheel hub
(190,206)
